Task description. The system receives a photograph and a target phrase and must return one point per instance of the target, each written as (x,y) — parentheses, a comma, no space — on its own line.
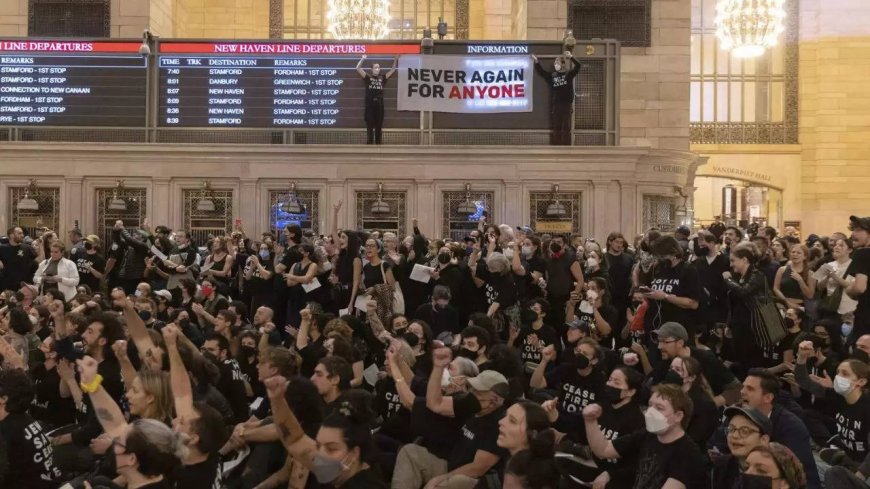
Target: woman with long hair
(834,277)
(705,419)
(794,283)
(525,433)
(779,249)
(302,273)
(218,264)
(744,285)
(258,277)
(340,454)
(347,272)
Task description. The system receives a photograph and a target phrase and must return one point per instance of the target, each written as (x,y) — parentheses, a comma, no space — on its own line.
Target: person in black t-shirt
(28,453)
(534,335)
(375,84)
(675,290)
(561,82)
(16,261)
(48,407)
(667,457)
(860,269)
(90,264)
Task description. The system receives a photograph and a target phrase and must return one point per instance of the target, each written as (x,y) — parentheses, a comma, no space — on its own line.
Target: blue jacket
(790,431)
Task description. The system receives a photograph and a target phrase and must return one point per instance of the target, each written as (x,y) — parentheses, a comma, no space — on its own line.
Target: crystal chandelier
(359,19)
(748,27)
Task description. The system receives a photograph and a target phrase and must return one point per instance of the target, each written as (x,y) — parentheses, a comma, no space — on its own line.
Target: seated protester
(439,314)
(576,382)
(339,328)
(759,390)
(524,432)
(850,406)
(420,339)
(534,335)
(241,311)
(476,451)
(48,407)
(25,450)
(147,452)
(673,342)
(263,324)
(147,310)
(301,392)
(248,363)
(746,429)
(507,361)
(205,375)
(476,342)
(309,339)
(332,378)
(686,373)
(162,303)
(71,449)
(621,415)
(778,358)
(667,457)
(200,422)
(231,383)
(774,465)
(339,455)
(388,406)
(595,310)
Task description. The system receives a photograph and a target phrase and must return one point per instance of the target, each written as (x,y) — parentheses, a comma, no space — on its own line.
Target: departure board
(72,83)
(281,85)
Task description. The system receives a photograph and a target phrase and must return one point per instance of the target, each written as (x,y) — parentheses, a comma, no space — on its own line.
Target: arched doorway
(736,202)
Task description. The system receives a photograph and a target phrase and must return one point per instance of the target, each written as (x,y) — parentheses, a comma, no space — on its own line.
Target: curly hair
(18,390)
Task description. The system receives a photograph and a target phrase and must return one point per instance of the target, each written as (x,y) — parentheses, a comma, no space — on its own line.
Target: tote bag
(767,324)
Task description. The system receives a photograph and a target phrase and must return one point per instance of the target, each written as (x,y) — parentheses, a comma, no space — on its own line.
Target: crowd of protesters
(370,360)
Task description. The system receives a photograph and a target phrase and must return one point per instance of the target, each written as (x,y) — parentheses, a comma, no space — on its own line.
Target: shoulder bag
(766,323)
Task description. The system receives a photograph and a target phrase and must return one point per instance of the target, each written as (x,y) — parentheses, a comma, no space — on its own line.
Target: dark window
(627,21)
(69,18)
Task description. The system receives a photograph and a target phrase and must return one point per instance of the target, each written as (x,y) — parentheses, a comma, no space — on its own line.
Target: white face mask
(508,253)
(558,66)
(656,422)
(528,250)
(445,379)
(842,385)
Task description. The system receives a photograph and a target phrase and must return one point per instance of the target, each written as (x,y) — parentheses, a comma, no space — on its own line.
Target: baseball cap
(526,229)
(856,222)
(757,418)
(683,230)
(492,381)
(579,324)
(165,294)
(93,239)
(672,330)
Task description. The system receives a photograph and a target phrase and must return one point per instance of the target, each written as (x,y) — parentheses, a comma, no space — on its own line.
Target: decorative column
(161,202)
(513,205)
(74,206)
(276,19)
(249,206)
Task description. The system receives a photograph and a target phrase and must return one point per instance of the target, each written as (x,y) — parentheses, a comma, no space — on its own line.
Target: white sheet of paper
(361,301)
(313,285)
(343,312)
(420,273)
(370,374)
(158,253)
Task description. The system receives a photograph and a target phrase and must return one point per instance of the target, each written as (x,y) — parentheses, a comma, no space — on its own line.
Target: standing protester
(561,81)
(375,84)
(860,269)
(16,261)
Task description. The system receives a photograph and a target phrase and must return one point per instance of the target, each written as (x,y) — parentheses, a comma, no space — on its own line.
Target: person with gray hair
(494,274)
(439,314)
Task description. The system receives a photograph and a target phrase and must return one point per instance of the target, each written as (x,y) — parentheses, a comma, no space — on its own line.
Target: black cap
(856,222)
(754,415)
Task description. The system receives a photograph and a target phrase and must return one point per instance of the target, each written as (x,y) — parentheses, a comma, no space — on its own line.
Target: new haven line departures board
(72,83)
(272,84)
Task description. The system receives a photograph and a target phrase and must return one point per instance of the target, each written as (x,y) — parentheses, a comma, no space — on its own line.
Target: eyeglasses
(743,431)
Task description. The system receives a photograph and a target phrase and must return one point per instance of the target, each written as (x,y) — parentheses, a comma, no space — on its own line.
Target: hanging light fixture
(748,27)
(292,205)
(28,203)
(205,204)
(117,204)
(379,206)
(556,208)
(468,206)
(359,19)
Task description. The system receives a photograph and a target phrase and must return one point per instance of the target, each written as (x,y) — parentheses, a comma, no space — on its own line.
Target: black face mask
(644,246)
(184,323)
(862,355)
(749,481)
(672,378)
(555,247)
(789,322)
(580,361)
(411,339)
(701,251)
(444,258)
(528,316)
(88,245)
(663,264)
(248,351)
(612,394)
(466,353)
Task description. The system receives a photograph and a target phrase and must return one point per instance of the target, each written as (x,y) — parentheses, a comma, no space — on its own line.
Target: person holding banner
(561,96)
(375,83)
